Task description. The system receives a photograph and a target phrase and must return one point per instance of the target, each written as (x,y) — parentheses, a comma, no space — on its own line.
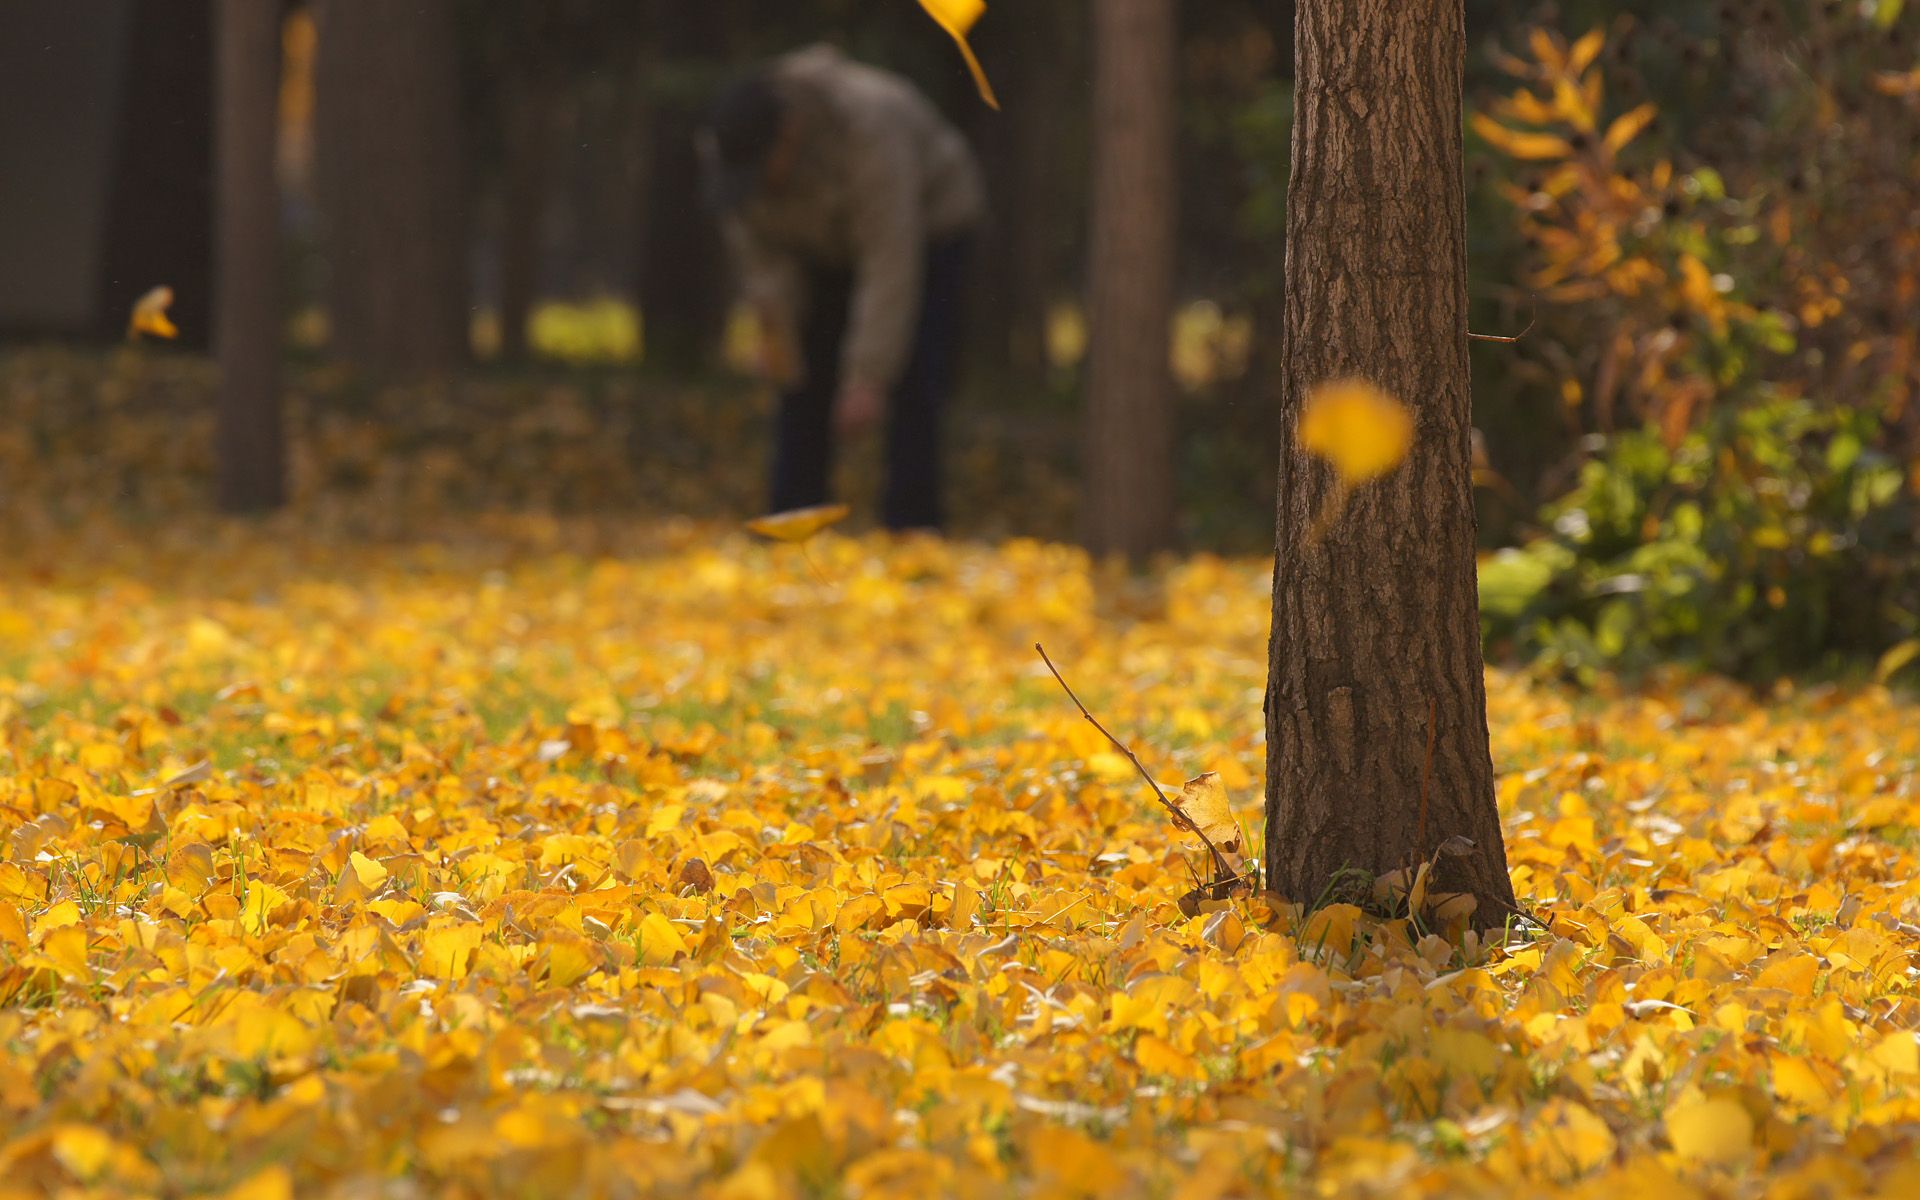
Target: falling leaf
(1359,430)
(150,315)
(798,524)
(957,17)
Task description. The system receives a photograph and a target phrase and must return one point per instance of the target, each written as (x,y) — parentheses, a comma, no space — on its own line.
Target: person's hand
(776,361)
(857,408)
(779,361)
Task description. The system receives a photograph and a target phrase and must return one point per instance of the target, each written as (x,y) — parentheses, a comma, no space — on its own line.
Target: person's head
(744,142)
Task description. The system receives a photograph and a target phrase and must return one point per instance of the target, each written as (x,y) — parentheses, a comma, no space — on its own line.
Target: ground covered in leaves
(546,858)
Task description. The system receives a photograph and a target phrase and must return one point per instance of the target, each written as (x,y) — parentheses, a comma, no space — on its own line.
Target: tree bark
(1376,629)
(250,446)
(391,182)
(1129,439)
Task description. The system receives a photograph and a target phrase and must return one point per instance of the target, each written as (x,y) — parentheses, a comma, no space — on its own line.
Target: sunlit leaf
(798,524)
(149,315)
(957,17)
(1359,430)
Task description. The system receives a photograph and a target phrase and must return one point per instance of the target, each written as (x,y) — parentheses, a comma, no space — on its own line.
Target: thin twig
(1532,316)
(1222,871)
(802,547)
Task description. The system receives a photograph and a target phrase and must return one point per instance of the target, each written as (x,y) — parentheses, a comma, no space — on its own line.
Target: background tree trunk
(391,182)
(1036,178)
(1376,624)
(159,220)
(252,455)
(1129,440)
(684,295)
(526,171)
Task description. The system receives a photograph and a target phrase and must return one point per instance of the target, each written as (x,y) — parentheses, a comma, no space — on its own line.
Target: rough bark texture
(252,456)
(1376,624)
(1129,442)
(391,184)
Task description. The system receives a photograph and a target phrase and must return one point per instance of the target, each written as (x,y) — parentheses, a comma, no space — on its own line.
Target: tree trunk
(160,208)
(391,182)
(1129,441)
(1036,179)
(683,297)
(252,456)
(1376,629)
(530,131)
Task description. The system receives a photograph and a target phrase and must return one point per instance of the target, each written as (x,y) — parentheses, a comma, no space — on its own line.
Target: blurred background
(487,279)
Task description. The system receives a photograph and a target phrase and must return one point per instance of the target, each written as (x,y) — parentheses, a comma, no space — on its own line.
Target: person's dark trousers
(916,407)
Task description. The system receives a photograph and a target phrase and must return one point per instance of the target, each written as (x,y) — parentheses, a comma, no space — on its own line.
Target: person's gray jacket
(878,175)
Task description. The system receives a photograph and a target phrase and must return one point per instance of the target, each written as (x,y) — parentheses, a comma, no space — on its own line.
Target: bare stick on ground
(1223,872)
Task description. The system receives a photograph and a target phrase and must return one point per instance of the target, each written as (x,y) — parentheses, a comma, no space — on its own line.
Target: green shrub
(1774,538)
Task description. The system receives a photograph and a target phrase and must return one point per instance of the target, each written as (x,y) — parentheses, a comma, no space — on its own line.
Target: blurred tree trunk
(160,206)
(1033,156)
(250,445)
(528,168)
(683,287)
(1129,439)
(1375,655)
(391,183)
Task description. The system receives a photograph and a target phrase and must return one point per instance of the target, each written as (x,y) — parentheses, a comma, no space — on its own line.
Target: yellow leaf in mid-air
(150,315)
(957,18)
(798,524)
(1362,432)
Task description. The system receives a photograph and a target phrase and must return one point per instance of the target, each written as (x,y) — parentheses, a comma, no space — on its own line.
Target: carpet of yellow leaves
(548,860)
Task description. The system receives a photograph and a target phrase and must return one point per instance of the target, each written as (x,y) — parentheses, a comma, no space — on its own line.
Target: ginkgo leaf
(150,314)
(1203,800)
(798,524)
(957,17)
(371,874)
(1710,1130)
(1360,431)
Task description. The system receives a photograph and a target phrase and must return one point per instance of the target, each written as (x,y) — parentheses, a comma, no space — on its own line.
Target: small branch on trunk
(1426,771)
(1532,316)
